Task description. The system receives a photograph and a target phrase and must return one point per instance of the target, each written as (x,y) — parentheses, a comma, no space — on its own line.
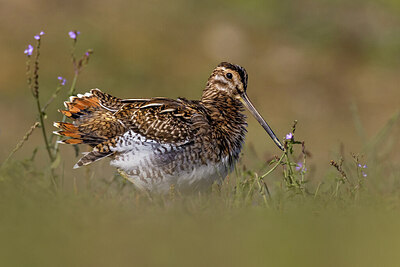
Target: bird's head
(231,80)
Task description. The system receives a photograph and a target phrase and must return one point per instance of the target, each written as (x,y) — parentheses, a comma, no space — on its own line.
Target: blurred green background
(332,65)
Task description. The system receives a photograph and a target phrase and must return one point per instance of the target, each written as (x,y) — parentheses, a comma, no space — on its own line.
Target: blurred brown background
(307,60)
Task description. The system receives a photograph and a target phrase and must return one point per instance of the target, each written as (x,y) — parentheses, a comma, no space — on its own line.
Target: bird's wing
(164,120)
(100,120)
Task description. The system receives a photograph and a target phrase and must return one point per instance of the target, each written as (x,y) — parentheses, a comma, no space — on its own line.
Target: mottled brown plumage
(160,142)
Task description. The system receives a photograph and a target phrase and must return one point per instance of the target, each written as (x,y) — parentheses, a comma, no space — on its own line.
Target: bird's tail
(93,123)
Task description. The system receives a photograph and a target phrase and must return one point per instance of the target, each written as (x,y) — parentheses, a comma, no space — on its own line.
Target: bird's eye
(229,75)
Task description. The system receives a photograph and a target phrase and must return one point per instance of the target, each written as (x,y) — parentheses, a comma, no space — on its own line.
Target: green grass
(122,227)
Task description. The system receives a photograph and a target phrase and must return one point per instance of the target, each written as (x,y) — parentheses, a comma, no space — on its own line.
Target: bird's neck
(227,119)
(222,107)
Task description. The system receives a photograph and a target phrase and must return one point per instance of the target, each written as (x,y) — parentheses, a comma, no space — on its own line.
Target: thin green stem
(41,119)
(70,93)
(317,190)
(263,193)
(52,158)
(52,98)
(36,96)
(336,189)
(290,170)
(273,168)
(251,188)
(72,89)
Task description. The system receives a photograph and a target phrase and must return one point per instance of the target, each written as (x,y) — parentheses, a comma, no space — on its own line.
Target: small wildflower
(29,50)
(299,166)
(62,80)
(362,166)
(37,37)
(87,54)
(73,34)
(359,165)
(289,136)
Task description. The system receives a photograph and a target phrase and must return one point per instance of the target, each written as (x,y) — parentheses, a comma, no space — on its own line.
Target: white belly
(157,167)
(199,179)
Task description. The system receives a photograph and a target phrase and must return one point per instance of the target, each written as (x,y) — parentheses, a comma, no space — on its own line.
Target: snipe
(160,142)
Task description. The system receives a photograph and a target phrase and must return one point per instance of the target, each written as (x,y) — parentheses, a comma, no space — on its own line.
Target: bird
(160,143)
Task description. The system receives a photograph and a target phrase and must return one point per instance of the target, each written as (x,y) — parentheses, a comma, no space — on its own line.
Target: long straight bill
(260,119)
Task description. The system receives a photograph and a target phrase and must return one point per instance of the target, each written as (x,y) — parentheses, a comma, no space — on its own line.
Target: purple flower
(37,37)
(87,54)
(62,80)
(29,50)
(289,136)
(73,34)
(362,167)
(299,166)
